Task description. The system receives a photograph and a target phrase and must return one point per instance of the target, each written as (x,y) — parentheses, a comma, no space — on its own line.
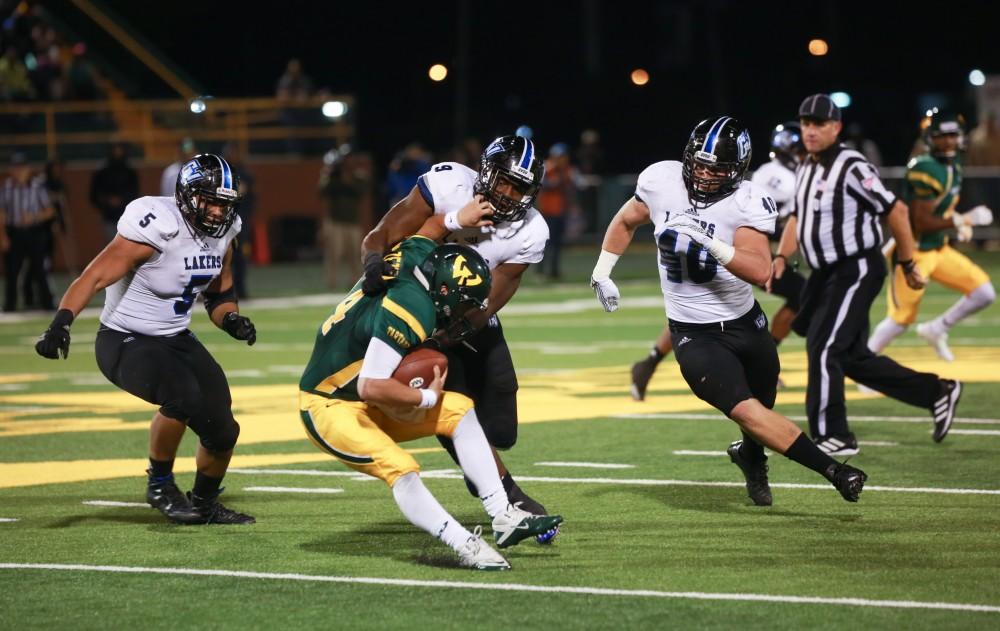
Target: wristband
(907,265)
(451,221)
(63,318)
(428,398)
(721,252)
(605,263)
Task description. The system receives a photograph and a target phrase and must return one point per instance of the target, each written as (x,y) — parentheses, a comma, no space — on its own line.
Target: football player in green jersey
(354,410)
(932,187)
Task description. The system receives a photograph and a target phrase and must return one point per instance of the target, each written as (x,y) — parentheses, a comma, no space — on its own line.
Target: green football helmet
(937,123)
(459,278)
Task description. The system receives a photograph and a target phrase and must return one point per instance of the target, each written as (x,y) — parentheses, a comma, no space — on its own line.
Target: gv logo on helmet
(465,276)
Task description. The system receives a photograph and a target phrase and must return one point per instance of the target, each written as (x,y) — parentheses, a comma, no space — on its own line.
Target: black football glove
(55,341)
(373,283)
(239,327)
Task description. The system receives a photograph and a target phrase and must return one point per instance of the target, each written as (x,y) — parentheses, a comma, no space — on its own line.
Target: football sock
(656,356)
(751,449)
(886,331)
(979,298)
(478,464)
(205,487)
(425,512)
(806,453)
(777,342)
(160,470)
(450,448)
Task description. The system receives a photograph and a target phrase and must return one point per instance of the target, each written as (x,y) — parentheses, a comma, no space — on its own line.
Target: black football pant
(834,320)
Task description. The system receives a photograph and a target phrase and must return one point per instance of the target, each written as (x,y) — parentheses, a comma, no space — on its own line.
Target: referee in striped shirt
(25,211)
(839,202)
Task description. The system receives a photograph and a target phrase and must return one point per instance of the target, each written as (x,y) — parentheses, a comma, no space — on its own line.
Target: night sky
(564,66)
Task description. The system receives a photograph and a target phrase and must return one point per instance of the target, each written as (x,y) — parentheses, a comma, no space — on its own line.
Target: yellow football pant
(947,266)
(366,437)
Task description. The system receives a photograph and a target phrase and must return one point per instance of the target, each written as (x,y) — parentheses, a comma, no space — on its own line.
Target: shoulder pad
(151,221)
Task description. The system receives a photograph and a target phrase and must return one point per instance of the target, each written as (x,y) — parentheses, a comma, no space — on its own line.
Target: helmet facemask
(201,184)
(506,208)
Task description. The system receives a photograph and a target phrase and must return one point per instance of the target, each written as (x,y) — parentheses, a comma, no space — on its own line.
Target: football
(417,368)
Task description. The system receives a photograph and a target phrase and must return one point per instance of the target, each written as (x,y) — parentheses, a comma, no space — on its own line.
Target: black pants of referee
(29,244)
(834,320)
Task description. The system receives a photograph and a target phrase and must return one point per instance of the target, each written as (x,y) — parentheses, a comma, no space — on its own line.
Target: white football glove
(607,292)
(964,233)
(682,224)
(979,216)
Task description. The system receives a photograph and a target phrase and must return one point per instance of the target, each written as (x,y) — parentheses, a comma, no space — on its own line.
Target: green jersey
(930,179)
(402,317)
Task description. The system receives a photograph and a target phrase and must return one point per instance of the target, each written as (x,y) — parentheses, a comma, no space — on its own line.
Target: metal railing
(83,129)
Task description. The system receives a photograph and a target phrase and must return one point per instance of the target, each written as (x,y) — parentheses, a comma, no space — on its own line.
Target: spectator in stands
(405,168)
(15,85)
(984,142)
(168,181)
(294,84)
(247,207)
(557,202)
(856,139)
(81,76)
(112,187)
(344,187)
(25,209)
(590,156)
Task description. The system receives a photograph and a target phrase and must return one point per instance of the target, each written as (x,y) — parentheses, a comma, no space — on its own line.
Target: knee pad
(984,295)
(216,435)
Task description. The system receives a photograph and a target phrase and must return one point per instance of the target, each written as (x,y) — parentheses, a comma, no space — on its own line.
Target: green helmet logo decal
(461,272)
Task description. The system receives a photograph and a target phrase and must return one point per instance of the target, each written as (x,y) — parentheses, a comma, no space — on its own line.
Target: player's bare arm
(752,261)
(506,280)
(118,258)
(222,306)
(924,219)
(899,224)
(630,216)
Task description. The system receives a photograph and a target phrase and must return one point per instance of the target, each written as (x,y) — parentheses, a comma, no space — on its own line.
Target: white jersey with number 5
(448,186)
(156,298)
(696,288)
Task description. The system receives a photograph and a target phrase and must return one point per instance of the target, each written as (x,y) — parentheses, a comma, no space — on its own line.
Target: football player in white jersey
(167,251)
(490,211)
(777,179)
(711,229)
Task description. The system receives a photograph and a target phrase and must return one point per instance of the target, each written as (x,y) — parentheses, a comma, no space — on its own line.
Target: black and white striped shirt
(24,203)
(838,200)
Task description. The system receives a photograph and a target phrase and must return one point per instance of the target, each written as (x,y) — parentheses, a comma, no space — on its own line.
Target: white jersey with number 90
(696,288)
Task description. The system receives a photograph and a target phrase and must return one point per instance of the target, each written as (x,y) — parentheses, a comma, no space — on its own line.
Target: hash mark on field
(691,452)
(291,489)
(118,504)
(977,432)
(587,465)
(512,587)
(8,520)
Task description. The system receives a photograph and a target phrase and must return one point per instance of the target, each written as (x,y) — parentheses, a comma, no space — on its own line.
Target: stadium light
(640,76)
(977,78)
(438,72)
(334,109)
(197,105)
(841,99)
(818,47)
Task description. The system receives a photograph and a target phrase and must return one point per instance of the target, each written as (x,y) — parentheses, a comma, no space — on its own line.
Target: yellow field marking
(23,378)
(18,474)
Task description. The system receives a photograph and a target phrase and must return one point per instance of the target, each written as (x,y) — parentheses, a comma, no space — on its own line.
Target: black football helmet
(723,146)
(937,123)
(510,159)
(207,179)
(459,278)
(786,144)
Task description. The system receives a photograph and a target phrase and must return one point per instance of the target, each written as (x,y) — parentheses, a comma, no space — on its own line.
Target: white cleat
(478,554)
(938,340)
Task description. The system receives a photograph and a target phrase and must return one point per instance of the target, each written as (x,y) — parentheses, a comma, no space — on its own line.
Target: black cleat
(758,489)
(642,372)
(165,497)
(213,512)
(847,479)
(944,408)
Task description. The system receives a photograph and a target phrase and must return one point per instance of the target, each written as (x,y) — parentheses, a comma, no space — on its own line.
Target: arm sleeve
(147,223)
(863,179)
(381,360)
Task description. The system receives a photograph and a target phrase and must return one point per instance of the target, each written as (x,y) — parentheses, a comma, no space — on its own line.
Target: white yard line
(291,489)
(586,465)
(511,587)
(8,520)
(118,504)
(853,419)
(451,474)
(977,432)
